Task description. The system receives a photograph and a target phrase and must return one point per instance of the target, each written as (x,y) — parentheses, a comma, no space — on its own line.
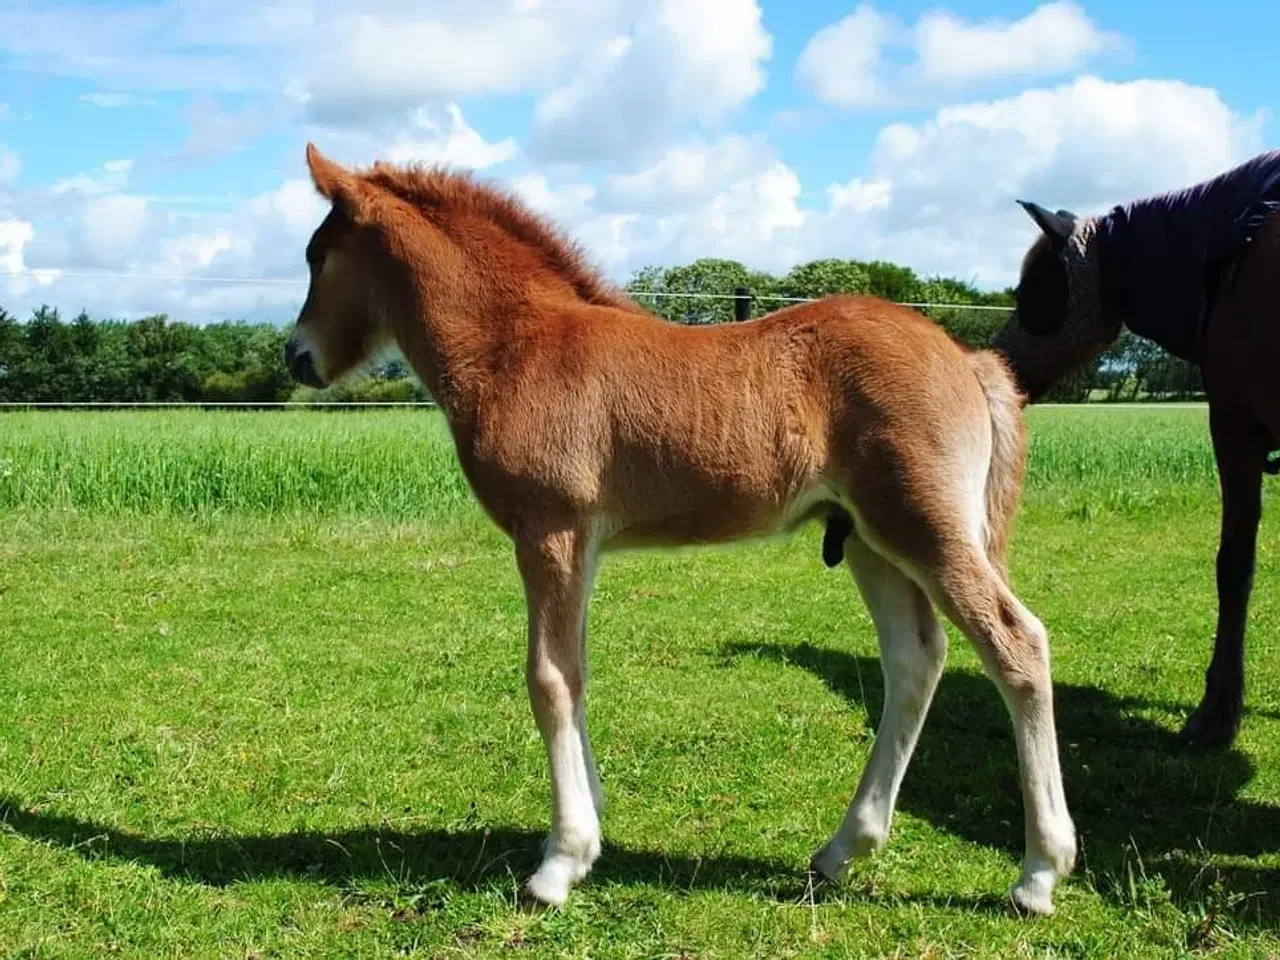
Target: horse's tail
(1008,451)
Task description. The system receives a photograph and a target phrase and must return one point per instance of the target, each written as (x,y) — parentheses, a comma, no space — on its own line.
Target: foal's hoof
(558,873)
(1030,900)
(1211,730)
(550,885)
(829,864)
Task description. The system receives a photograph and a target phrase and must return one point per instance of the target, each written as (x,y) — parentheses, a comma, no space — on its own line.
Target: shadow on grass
(472,857)
(1151,813)
(1147,807)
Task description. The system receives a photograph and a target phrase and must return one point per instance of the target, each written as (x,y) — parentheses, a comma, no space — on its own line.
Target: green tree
(819,278)
(13,357)
(680,290)
(163,361)
(892,282)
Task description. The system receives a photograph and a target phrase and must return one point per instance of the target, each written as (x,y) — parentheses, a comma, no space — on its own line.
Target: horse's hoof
(1210,731)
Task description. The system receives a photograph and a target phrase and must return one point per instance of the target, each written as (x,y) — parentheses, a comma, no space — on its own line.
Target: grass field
(264,697)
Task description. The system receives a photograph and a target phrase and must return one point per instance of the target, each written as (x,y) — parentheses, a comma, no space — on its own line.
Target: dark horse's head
(1058,323)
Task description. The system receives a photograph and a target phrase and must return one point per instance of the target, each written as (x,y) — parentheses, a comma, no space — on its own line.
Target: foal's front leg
(556,572)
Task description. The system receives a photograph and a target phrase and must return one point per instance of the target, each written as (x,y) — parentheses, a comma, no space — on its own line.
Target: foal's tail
(1008,451)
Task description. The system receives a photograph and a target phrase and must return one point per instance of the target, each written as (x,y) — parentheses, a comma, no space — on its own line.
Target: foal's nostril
(302,366)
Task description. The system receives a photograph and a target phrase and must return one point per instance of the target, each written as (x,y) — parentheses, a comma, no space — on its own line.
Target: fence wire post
(741,304)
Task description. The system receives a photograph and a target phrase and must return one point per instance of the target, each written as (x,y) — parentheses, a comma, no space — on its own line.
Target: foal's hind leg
(556,572)
(913,649)
(1014,649)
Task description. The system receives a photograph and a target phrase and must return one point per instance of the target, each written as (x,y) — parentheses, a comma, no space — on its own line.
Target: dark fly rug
(1197,271)
(1162,257)
(1155,263)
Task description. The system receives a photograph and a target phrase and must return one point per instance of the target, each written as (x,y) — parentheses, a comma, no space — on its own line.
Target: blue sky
(164,139)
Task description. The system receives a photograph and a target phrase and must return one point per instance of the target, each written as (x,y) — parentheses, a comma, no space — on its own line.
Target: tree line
(48,359)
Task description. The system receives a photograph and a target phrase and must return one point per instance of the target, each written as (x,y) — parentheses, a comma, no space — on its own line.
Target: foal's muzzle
(301,365)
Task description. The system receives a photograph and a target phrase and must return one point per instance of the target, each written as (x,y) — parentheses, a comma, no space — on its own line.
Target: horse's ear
(1058,227)
(337,184)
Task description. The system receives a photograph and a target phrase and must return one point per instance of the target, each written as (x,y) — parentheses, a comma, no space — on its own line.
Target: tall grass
(401,463)
(377,463)
(1120,446)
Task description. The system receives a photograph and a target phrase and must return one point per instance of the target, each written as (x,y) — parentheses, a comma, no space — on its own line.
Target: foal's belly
(749,476)
(662,511)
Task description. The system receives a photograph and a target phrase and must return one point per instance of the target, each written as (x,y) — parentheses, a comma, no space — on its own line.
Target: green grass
(263,680)
(393,464)
(399,464)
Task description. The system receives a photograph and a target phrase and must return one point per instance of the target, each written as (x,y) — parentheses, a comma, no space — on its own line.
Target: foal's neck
(450,322)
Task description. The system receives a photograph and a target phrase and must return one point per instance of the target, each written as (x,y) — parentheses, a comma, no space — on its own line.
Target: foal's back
(675,433)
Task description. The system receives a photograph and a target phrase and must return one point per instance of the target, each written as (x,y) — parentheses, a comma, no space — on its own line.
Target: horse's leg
(1014,649)
(556,569)
(913,648)
(1240,454)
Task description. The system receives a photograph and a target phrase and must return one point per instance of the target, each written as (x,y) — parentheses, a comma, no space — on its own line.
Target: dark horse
(1198,272)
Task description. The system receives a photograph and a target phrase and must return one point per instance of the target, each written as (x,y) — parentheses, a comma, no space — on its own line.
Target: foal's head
(1058,323)
(344,319)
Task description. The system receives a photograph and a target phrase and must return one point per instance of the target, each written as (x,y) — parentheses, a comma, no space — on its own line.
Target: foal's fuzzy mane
(434,189)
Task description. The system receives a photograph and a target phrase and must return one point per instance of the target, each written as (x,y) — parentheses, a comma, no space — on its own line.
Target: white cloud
(294,205)
(451,141)
(609,76)
(341,63)
(869,59)
(679,64)
(112,228)
(1054,38)
(754,215)
(1090,143)
(196,252)
(689,172)
(861,196)
(14,236)
(397,63)
(140,47)
(951,181)
(111,177)
(213,129)
(842,63)
(573,202)
(432,134)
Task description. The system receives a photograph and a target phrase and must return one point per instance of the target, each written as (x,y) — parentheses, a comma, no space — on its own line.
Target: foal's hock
(584,423)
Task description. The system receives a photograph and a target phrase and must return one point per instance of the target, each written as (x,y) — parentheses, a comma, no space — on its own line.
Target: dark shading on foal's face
(338,327)
(1057,324)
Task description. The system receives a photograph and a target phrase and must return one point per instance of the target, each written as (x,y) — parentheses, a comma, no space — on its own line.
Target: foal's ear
(337,184)
(1058,227)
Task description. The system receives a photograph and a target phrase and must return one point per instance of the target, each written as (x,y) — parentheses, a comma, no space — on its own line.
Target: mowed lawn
(262,677)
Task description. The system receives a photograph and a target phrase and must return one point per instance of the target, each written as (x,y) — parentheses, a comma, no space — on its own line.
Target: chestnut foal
(584,423)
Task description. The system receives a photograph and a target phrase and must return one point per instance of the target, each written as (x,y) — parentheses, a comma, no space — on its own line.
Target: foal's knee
(553,691)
